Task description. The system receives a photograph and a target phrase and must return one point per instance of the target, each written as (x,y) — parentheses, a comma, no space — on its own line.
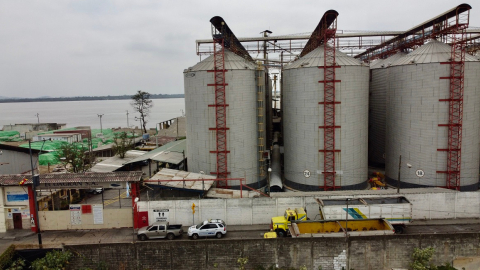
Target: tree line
(86,98)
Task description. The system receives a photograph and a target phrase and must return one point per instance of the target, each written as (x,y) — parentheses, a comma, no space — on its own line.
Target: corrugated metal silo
(303,116)
(414,113)
(242,136)
(377,109)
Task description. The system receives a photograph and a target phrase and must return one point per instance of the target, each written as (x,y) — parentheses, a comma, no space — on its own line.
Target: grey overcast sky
(101,47)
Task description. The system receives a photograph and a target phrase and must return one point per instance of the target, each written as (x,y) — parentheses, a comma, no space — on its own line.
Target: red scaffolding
(456,36)
(220,109)
(329,101)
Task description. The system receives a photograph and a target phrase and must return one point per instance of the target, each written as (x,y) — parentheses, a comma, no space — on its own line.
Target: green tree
(421,259)
(55,260)
(122,143)
(74,157)
(142,104)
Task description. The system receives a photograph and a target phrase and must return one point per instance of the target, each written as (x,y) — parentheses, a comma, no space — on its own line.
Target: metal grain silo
(304,115)
(242,115)
(418,114)
(377,109)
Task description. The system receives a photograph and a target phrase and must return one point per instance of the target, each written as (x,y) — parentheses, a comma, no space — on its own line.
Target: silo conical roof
(383,63)
(232,61)
(432,52)
(315,58)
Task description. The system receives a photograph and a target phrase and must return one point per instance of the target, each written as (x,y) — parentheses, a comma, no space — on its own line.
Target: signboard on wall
(75,214)
(161,214)
(97,213)
(82,185)
(17,196)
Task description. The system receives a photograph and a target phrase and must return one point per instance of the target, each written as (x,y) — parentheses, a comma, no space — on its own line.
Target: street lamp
(133,216)
(269,172)
(100,115)
(399,168)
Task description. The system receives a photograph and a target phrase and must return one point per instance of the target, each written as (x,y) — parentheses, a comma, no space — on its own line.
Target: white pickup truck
(160,230)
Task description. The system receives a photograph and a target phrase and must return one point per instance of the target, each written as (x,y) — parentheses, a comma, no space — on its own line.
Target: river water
(85,113)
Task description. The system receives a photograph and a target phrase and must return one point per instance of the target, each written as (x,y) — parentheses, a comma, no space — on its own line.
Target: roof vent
(412,62)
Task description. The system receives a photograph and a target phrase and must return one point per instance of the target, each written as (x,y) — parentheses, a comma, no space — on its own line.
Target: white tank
(303,115)
(241,119)
(377,109)
(414,113)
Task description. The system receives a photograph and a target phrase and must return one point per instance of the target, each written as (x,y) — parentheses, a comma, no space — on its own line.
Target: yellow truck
(340,228)
(280,224)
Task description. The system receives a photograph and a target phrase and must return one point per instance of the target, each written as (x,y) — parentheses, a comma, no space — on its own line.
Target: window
(213,226)
(162,228)
(220,225)
(153,228)
(204,227)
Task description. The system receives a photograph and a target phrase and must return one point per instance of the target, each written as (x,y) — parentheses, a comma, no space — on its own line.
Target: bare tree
(142,103)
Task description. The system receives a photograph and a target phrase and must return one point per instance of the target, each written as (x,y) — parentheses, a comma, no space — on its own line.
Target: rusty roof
(52,178)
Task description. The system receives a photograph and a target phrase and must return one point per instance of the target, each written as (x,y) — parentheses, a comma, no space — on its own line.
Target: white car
(209,228)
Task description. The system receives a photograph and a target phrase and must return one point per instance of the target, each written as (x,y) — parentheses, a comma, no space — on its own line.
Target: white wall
(253,211)
(61,220)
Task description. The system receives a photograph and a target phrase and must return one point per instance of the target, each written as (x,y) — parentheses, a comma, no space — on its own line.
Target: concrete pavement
(25,239)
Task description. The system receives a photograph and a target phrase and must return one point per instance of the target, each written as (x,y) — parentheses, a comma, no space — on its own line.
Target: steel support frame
(220,107)
(456,37)
(329,102)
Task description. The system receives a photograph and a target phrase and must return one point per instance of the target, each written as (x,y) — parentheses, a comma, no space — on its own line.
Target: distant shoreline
(51,99)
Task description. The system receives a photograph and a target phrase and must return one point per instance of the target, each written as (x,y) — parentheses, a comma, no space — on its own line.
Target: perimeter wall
(254,211)
(360,253)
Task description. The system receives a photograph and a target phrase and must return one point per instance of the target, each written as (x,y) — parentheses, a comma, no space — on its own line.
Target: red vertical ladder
(329,103)
(456,37)
(220,111)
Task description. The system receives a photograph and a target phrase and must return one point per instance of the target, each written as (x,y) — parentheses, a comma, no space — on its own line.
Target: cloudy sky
(101,47)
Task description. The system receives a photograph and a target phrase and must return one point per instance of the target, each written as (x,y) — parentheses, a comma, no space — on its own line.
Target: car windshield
(199,225)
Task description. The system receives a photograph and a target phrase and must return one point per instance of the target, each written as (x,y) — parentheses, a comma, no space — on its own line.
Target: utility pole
(36,182)
(128,125)
(38,118)
(265,34)
(399,168)
(100,115)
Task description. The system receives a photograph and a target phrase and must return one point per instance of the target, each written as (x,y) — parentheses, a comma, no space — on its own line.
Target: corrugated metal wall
(303,115)
(241,118)
(414,113)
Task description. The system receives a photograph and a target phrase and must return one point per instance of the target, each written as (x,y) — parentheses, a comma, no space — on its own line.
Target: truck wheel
(142,237)
(219,235)
(398,229)
(170,236)
(281,233)
(195,236)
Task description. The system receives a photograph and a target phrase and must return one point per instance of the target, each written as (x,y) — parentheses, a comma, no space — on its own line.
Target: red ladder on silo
(220,110)
(329,103)
(456,36)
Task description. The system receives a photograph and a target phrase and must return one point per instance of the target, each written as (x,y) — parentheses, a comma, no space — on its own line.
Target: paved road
(55,239)
(26,239)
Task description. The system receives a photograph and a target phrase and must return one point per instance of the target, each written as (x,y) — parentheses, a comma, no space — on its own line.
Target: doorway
(17,221)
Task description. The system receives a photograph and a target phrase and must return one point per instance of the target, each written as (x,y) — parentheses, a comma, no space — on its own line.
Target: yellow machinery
(280,224)
(338,228)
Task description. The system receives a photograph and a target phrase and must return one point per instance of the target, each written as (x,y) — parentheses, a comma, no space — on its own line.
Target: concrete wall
(251,211)
(365,253)
(61,220)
